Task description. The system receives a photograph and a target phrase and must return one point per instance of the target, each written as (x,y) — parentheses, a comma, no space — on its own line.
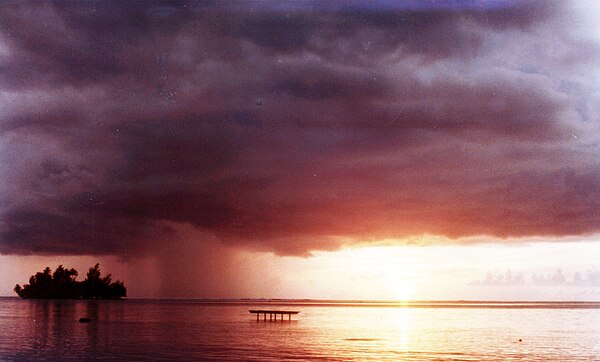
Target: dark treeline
(62,285)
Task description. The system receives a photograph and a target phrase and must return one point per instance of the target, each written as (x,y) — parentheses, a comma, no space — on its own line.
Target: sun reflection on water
(402,320)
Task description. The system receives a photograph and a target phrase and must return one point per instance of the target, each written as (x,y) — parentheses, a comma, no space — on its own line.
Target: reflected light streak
(402,320)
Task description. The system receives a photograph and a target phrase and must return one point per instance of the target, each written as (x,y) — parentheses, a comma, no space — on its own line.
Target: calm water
(194,330)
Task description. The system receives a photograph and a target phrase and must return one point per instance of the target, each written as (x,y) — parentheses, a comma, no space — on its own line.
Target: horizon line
(350,301)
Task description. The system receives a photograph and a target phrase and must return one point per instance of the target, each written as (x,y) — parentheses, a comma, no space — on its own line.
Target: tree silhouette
(62,285)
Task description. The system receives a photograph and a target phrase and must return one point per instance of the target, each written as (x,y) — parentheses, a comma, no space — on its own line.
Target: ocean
(323,330)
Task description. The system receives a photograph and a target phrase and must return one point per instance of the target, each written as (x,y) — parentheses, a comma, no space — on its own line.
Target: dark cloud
(292,128)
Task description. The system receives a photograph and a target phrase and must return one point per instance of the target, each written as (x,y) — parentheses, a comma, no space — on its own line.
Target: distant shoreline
(356,303)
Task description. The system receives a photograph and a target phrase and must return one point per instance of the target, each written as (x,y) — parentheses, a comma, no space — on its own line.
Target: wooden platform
(273,314)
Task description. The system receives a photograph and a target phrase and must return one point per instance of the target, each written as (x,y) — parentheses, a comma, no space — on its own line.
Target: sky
(304,149)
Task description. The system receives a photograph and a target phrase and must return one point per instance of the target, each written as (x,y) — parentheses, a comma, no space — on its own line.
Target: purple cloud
(295,128)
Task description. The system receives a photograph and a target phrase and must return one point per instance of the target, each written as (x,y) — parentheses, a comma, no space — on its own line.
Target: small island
(62,285)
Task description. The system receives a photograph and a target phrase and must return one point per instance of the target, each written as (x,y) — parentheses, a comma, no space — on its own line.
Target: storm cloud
(293,127)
